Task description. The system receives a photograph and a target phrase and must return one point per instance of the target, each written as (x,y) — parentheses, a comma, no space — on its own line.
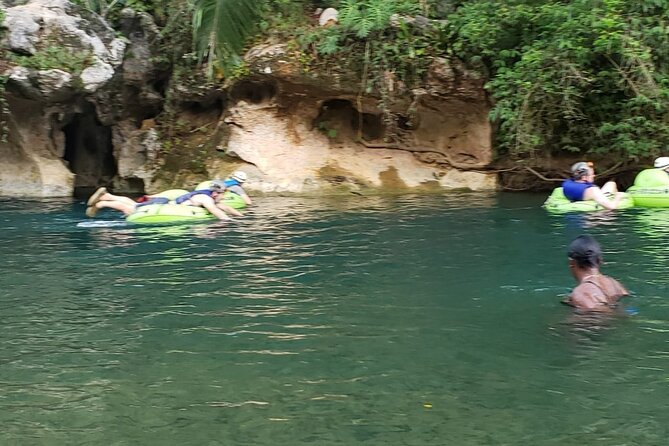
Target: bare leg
(111,197)
(117,205)
(610,187)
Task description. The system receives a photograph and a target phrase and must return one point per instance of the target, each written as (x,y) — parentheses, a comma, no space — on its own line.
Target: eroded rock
(308,132)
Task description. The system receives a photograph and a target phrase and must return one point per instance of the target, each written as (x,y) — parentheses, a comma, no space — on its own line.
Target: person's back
(575,190)
(595,291)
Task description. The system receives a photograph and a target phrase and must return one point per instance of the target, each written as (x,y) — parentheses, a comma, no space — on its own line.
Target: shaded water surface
(380,321)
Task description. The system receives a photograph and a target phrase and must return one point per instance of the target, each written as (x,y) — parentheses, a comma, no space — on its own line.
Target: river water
(373,321)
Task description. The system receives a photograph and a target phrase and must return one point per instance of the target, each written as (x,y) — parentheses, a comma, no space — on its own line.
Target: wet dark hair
(585,251)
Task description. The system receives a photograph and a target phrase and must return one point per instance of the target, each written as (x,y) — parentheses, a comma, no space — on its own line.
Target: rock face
(305,133)
(291,156)
(68,123)
(82,107)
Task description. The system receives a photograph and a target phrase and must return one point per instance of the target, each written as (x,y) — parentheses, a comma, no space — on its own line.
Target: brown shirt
(596,292)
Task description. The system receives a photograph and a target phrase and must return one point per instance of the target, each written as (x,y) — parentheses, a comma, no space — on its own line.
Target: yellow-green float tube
(180,213)
(651,189)
(558,203)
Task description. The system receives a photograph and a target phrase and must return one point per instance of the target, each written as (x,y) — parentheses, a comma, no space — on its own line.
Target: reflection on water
(348,320)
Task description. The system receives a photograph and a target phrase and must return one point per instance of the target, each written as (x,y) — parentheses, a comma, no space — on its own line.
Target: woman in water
(595,291)
(581,186)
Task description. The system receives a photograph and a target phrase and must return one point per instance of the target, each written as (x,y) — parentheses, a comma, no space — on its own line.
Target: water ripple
(377,320)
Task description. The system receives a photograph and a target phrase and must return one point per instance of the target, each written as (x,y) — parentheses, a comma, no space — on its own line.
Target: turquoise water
(372,321)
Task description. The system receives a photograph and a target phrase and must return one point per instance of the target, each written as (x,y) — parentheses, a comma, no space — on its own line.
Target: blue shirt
(575,190)
(187,196)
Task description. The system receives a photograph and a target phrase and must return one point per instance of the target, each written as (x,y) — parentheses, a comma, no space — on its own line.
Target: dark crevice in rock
(160,85)
(339,119)
(212,108)
(141,103)
(254,92)
(89,150)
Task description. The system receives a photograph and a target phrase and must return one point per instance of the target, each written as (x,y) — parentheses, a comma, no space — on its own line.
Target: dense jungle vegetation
(582,76)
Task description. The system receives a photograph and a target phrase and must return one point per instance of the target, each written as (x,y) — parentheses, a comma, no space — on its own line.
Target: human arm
(242,193)
(229,210)
(595,193)
(215,211)
(247,199)
(209,204)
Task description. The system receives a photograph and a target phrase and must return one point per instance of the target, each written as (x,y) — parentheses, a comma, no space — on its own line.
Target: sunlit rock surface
(313,132)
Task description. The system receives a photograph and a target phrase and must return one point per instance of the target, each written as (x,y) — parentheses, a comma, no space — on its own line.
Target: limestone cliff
(97,120)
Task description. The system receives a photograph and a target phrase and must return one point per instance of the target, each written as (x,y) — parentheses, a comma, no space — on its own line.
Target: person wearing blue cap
(581,187)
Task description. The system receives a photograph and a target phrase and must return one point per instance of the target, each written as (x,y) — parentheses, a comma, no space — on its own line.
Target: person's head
(217,187)
(662,163)
(239,176)
(584,253)
(583,170)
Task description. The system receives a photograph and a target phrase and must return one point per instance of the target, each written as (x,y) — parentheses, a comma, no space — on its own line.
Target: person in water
(595,291)
(234,184)
(662,163)
(581,187)
(208,199)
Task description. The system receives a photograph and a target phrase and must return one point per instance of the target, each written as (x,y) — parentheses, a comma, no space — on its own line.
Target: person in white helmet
(662,163)
(234,184)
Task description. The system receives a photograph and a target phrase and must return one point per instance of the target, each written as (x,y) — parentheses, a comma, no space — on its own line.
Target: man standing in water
(581,187)
(595,291)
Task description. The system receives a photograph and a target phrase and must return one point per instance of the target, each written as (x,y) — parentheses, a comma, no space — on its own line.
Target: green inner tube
(168,213)
(233,200)
(651,189)
(175,213)
(557,202)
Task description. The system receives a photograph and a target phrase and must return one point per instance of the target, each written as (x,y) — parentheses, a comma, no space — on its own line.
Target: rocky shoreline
(293,131)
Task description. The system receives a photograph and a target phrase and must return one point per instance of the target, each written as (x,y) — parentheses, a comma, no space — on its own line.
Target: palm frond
(221,29)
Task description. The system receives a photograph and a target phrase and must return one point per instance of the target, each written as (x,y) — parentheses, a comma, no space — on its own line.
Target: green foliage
(324,127)
(220,31)
(107,8)
(577,76)
(381,40)
(363,17)
(55,57)
(582,76)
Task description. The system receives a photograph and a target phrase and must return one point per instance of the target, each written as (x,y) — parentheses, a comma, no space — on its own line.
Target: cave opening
(253,92)
(89,152)
(338,118)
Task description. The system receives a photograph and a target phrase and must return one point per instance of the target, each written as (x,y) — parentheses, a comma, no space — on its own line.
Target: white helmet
(239,176)
(662,162)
